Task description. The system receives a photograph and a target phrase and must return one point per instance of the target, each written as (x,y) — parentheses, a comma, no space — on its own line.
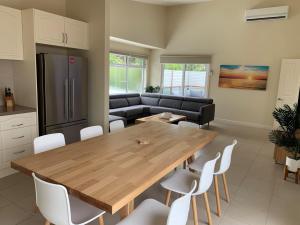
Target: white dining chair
(60,208)
(116,125)
(48,142)
(90,132)
(188,124)
(181,180)
(197,165)
(152,212)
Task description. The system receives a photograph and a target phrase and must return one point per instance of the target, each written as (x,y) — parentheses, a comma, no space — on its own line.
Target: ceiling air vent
(281,12)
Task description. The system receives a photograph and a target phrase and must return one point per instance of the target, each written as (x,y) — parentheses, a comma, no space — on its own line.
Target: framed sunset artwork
(244,77)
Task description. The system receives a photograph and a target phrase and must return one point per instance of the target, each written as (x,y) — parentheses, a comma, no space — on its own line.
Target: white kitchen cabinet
(16,139)
(49,28)
(52,29)
(11,41)
(76,34)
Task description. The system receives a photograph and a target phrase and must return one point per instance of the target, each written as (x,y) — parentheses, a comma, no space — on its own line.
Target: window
(127,74)
(185,79)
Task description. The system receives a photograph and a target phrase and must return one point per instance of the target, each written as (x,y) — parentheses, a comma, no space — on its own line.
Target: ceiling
(171,2)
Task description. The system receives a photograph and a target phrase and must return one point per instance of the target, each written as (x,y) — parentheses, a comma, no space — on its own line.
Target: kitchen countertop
(16,110)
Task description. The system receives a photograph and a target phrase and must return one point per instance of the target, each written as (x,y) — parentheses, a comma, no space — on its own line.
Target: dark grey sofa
(133,106)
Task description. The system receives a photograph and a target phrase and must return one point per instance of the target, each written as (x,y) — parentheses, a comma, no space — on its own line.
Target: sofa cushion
(170,103)
(191,106)
(191,116)
(158,109)
(118,103)
(200,100)
(175,97)
(134,101)
(133,111)
(149,100)
(117,112)
(128,95)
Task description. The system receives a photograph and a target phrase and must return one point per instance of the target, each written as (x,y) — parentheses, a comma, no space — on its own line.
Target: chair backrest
(116,125)
(52,201)
(226,158)
(48,142)
(188,124)
(90,132)
(179,211)
(207,175)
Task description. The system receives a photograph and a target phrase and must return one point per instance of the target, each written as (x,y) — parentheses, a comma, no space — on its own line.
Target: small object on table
(143,141)
(166,115)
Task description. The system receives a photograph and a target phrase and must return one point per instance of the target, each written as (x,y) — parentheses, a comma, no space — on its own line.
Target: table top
(111,170)
(173,119)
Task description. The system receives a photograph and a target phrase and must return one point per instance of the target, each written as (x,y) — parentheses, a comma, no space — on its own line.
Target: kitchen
(29,32)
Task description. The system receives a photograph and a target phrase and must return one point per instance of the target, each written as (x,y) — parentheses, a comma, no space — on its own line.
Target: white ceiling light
(171,2)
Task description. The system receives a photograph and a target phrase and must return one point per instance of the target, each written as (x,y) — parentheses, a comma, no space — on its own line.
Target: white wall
(138,22)
(6,77)
(130,49)
(217,28)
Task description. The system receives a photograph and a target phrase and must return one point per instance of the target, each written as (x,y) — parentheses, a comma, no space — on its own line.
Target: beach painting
(244,77)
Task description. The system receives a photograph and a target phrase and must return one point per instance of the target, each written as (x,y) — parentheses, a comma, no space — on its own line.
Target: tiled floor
(259,196)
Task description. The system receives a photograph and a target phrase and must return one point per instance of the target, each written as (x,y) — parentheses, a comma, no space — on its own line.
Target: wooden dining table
(111,170)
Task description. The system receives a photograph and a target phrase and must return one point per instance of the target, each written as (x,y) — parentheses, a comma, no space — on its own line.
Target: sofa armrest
(207,113)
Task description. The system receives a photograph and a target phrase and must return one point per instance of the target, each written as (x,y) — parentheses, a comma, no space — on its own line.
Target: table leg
(191,159)
(126,210)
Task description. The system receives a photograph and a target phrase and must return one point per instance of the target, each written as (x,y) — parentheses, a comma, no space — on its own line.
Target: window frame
(144,68)
(207,78)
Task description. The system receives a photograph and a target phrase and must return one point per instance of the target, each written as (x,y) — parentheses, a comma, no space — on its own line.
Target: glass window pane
(117,59)
(135,80)
(117,80)
(135,61)
(173,78)
(195,80)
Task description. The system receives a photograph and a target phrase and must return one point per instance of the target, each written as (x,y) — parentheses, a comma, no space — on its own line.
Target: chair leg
(216,184)
(195,212)
(296,176)
(286,173)
(207,209)
(184,164)
(35,208)
(226,187)
(101,220)
(47,222)
(168,197)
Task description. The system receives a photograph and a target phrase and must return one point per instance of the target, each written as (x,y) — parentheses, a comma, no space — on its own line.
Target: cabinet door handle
(67,38)
(63,38)
(18,137)
(19,152)
(17,125)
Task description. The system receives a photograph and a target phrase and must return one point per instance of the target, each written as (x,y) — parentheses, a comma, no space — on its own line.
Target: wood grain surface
(110,171)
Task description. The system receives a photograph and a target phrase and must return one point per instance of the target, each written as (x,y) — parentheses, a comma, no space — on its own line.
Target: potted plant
(285,135)
(151,89)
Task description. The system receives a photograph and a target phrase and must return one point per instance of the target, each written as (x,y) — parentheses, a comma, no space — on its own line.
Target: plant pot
(292,164)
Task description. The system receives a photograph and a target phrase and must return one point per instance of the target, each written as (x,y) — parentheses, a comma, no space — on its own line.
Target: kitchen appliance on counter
(62,95)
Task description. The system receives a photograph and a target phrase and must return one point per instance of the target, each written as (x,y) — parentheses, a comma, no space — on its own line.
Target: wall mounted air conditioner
(281,12)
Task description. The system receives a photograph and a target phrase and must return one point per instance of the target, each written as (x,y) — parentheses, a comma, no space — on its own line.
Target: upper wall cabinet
(11,42)
(49,28)
(57,30)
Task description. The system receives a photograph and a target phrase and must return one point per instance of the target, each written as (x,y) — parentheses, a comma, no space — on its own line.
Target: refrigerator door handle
(72,98)
(66,98)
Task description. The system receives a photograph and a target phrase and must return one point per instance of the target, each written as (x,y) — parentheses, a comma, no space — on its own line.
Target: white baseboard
(242,123)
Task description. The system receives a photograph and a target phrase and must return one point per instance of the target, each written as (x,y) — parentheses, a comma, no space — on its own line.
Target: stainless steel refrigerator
(62,95)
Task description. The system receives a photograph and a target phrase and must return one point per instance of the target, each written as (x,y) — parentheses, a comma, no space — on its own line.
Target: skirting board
(242,123)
